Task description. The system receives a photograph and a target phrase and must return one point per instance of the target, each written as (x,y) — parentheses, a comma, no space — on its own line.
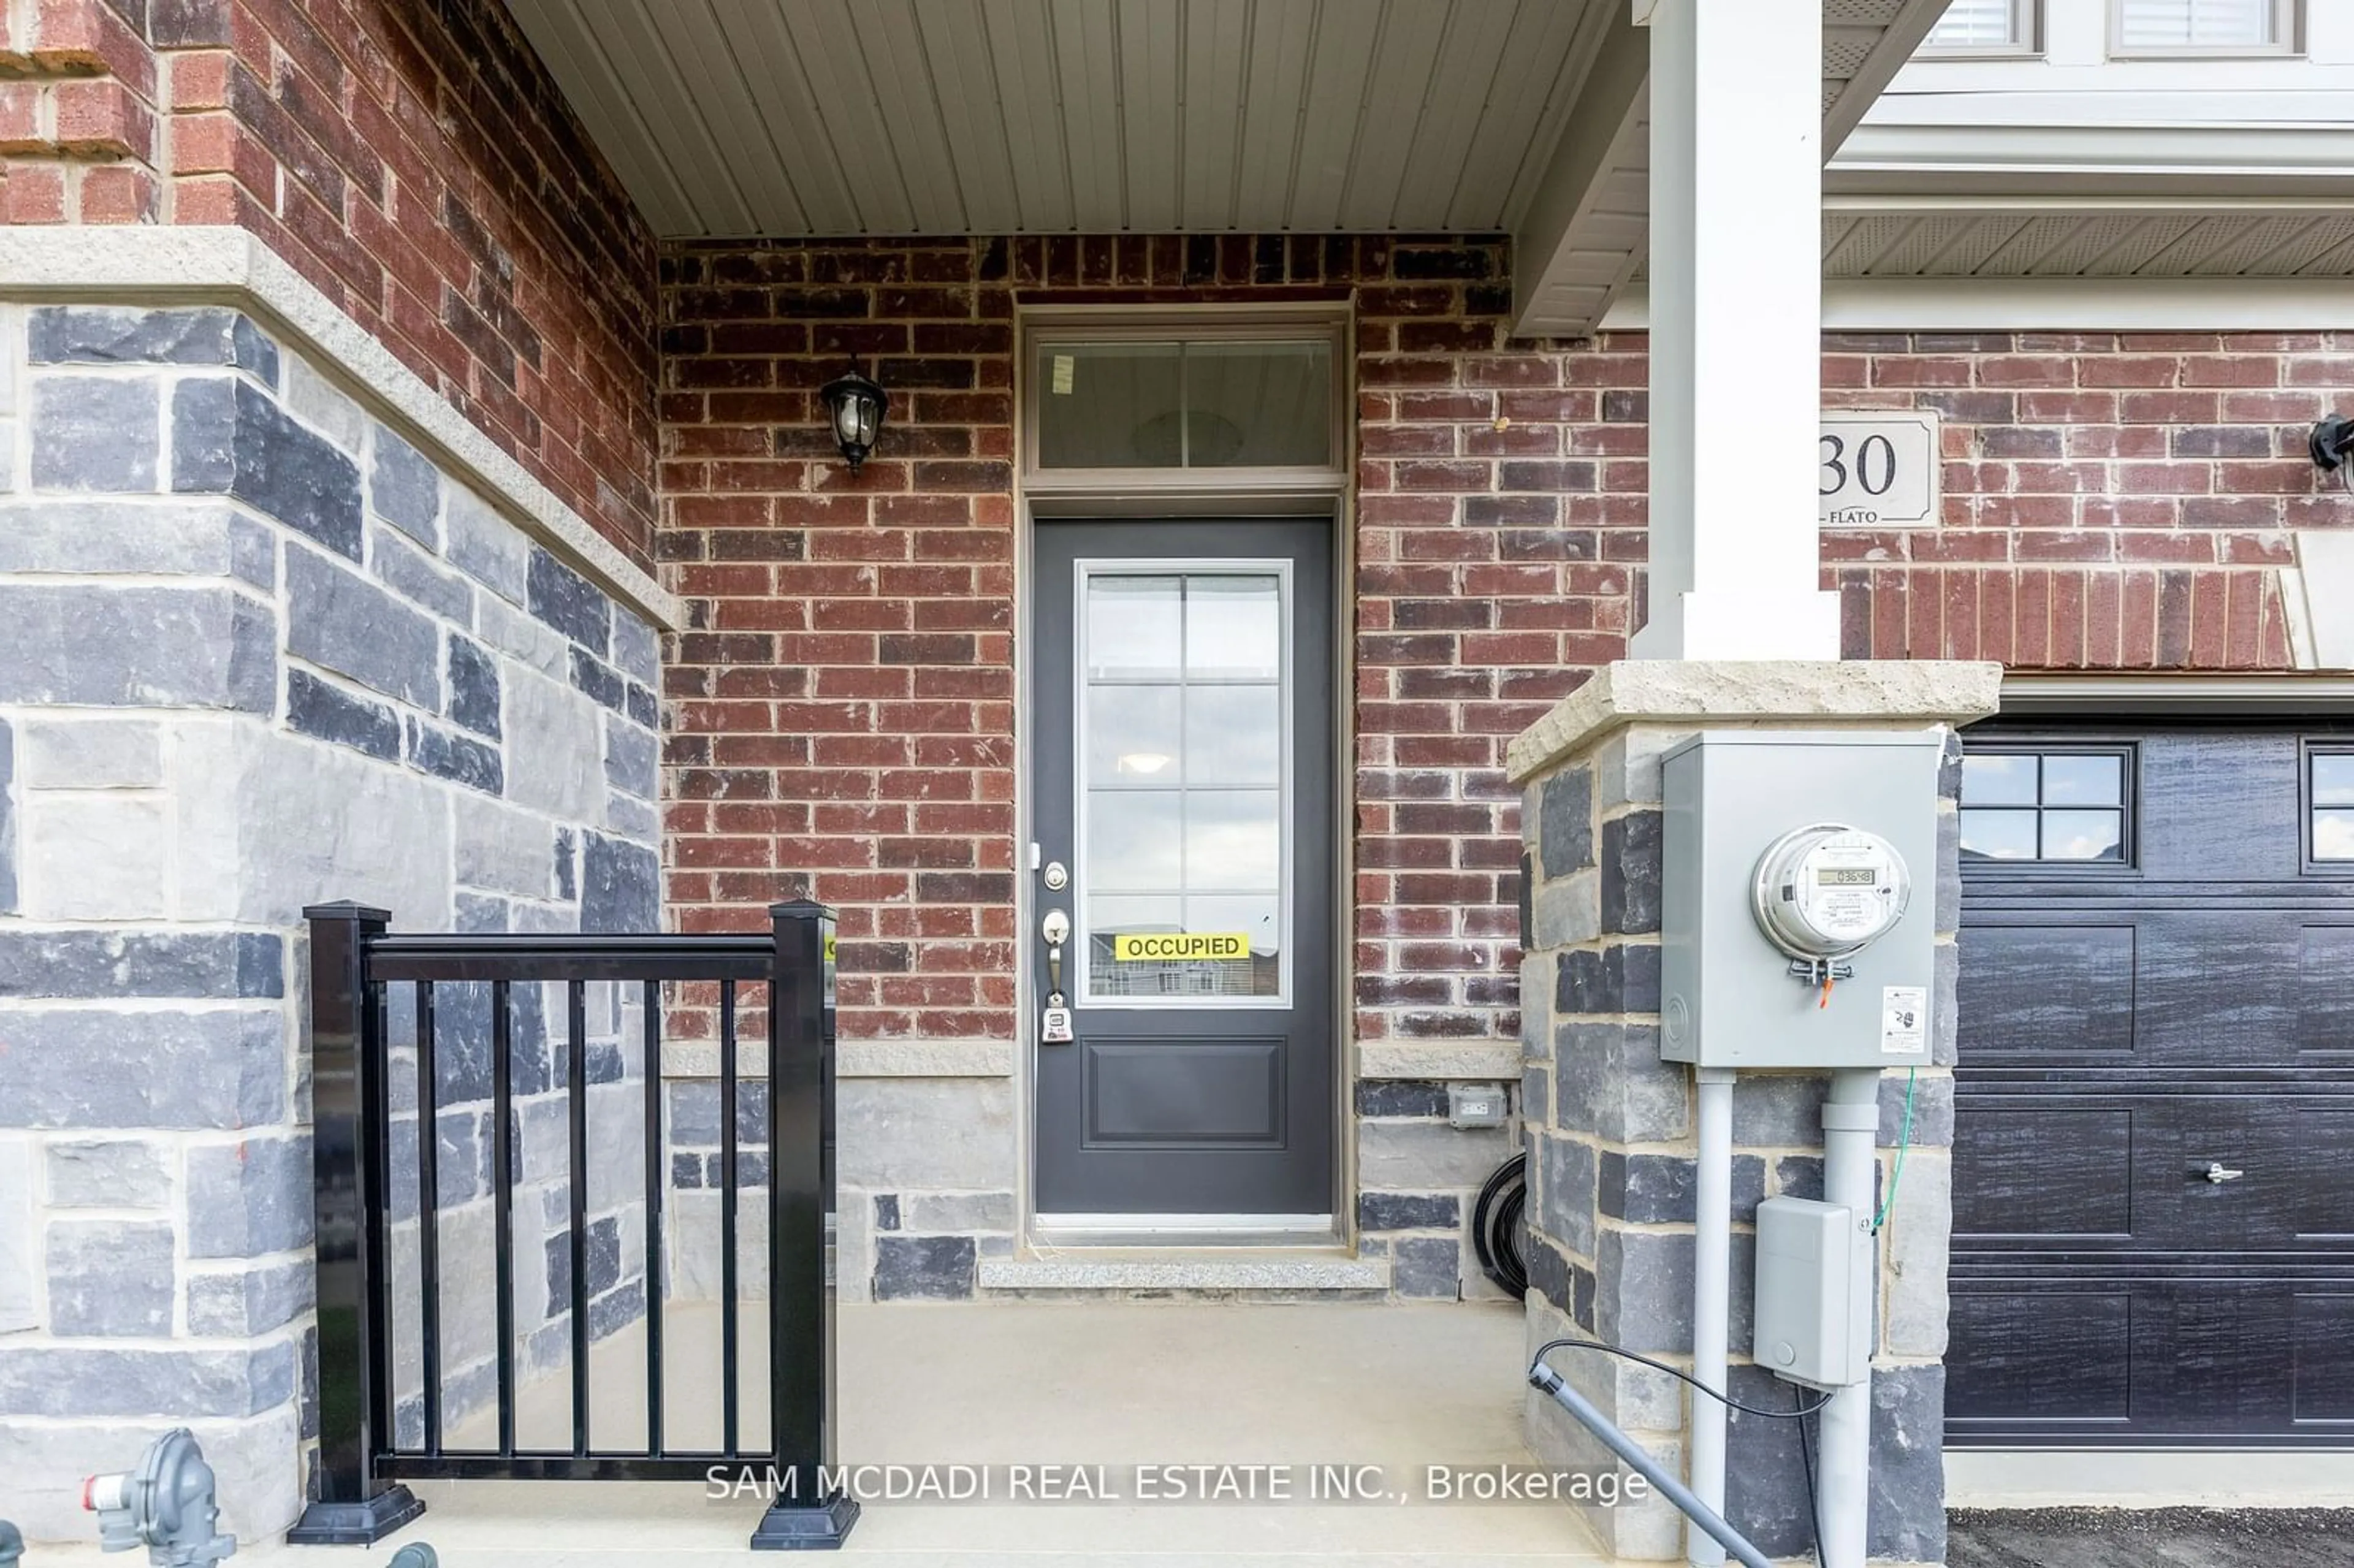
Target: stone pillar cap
(1696,691)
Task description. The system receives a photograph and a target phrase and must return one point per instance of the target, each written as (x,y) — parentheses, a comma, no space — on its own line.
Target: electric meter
(1829,890)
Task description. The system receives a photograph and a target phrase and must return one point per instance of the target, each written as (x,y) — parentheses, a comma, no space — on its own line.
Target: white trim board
(220,264)
(2164,694)
(2062,304)
(2122,1478)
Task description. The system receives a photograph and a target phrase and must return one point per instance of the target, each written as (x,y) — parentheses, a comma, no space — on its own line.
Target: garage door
(2154,1131)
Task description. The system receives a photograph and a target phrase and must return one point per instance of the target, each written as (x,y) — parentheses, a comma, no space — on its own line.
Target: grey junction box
(1729,998)
(1813,1322)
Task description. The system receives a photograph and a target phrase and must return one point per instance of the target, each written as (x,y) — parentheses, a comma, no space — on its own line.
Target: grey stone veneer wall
(925,1183)
(1418,1180)
(256,650)
(928,1191)
(1612,1176)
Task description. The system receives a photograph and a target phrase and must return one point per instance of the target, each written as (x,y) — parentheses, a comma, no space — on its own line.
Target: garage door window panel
(2329,810)
(2044,808)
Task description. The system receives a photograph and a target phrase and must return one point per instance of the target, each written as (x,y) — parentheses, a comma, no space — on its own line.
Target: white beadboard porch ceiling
(800,118)
(898,117)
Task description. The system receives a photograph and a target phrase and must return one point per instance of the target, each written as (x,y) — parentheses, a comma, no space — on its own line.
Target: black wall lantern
(2331,444)
(855,405)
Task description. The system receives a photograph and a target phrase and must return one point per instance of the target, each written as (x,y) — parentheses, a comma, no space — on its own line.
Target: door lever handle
(2219,1172)
(1056,928)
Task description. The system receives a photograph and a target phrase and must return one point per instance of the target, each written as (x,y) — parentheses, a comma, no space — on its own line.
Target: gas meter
(165,1505)
(1790,935)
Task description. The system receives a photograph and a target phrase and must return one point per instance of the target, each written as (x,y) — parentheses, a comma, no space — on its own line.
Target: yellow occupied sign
(1167,946)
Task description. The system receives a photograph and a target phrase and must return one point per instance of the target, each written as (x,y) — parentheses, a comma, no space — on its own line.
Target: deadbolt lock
(1057,876)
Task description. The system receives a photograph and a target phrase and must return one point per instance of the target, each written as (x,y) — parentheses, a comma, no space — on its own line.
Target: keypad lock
(1054,1024)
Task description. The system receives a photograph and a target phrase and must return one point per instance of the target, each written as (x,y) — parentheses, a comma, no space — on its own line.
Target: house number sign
(1879,468)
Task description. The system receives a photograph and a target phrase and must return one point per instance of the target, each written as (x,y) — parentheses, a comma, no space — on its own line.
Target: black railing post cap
(801,909)
(345,909)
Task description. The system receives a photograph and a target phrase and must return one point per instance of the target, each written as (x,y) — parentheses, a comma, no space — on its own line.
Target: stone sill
(221,264)
(1700,692)
(856,1059)
(1484,1061)
(1147,1272)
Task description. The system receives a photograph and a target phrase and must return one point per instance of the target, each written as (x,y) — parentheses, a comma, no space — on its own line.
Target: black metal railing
(385,1097)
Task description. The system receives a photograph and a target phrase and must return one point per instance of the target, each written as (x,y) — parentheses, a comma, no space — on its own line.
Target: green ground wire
(1903,1142)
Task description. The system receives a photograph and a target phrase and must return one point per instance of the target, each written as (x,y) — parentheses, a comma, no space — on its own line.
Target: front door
(1183,784)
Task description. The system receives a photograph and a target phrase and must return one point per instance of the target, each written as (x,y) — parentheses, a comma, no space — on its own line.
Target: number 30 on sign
(1877,468)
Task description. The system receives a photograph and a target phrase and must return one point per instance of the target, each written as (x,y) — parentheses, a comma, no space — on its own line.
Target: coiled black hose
(1496,1225)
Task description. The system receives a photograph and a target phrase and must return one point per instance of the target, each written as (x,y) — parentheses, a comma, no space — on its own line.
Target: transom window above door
(1151,403)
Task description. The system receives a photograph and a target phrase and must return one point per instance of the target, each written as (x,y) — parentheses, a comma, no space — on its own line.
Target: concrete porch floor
(1115,1383)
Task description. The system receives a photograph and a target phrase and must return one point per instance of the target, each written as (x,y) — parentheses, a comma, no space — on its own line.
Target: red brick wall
(845,699)
(413,159)
(2111,501)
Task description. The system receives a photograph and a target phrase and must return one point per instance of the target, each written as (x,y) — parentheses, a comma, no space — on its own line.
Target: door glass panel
(1232,840)
(1134,734)
(1136,628)
(1259,918)
(1234,735)
(1233,629)
(1135,839)
(1112,919)
(1184,880)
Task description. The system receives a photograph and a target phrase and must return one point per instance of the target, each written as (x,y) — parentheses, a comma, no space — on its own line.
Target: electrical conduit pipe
(1850,1126)
(1548,1381)
(1712,1303)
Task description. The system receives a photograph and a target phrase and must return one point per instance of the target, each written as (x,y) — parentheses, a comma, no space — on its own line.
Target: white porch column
(1736,322)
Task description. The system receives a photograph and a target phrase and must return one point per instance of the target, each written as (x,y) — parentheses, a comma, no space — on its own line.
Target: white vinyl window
(2202,26)
(1983,27)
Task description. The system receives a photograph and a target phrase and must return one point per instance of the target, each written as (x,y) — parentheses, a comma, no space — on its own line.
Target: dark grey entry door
(1182,775)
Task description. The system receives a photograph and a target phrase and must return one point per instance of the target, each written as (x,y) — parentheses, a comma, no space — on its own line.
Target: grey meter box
(1756,819)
